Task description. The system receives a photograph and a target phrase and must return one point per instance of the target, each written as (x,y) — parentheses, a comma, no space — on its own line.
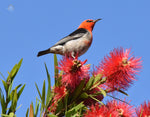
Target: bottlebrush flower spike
(59,93)
(111,109)
(120,68)
(119,109)
(143,110)
(74,71)
(96,111)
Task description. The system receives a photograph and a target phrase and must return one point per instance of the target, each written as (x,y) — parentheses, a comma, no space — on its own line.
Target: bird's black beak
(96,20)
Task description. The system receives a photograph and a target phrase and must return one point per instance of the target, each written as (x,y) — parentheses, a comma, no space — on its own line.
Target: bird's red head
(88,24)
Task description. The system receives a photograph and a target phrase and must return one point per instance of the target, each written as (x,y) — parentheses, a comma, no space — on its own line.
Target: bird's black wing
(74,35)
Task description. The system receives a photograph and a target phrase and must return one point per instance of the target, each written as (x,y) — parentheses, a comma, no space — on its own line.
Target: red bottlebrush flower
(96,111)
(143,110)
(120,68)
(52,108)
(111,109)
(59,93)
(74,71)
(120,109)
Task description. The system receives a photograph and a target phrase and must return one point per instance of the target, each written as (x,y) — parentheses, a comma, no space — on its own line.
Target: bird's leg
(72,54)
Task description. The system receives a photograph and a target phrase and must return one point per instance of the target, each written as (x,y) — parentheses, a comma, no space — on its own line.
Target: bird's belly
(78,47)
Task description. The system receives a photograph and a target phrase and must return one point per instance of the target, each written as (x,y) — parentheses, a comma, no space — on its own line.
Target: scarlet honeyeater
(76,43)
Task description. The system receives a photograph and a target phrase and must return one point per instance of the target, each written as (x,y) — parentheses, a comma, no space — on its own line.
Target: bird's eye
(89,21)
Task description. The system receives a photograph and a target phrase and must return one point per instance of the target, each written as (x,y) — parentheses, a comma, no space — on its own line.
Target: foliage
(77,91)
(10,96)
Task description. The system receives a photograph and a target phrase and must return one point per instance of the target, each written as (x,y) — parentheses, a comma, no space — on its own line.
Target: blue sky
(28,26)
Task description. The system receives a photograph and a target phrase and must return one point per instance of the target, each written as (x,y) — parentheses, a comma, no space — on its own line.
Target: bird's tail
(43,52)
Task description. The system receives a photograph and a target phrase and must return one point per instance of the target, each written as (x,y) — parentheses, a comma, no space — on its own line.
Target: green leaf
(103,92)
(60,106)
(27,112)
(4,115)
(13,97)
(18,86)
(55,69)
(95,85)
(10,96)
(96,99)
(1,92)
(74,110)
(97,78)
(50,115)
(20,62)
(38,91)
(89,83)
(117,99)
(103,80)
(48,98)
(5,85)
(10,88)
(3,104)
(122,92)
(11,114)
(20,91)
(2,75)
(14,101)
(37,107)
(43,95)
(14,71)
(78,90)
(18,107)
(84,95)
(66,101)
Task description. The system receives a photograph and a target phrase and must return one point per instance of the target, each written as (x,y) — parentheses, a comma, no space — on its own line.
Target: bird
(76,43)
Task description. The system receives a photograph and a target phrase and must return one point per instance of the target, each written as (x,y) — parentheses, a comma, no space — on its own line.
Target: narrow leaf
(36,107)
(18,107)
(122,92)
(38,91)
(49,87)
(78,90)
(84,95)
(89,83)
(55,69)
(19,64)
(74,110)
(27,112)
(15,100)
(102,91)
(66,101)
(14,71)
(11,114)
(96,99)
(20,91)
(5,85)
(3,104)
(50,115)
(10,88)
(118,99)
(2,75)
(43,95)
(4,115)
(97,78)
